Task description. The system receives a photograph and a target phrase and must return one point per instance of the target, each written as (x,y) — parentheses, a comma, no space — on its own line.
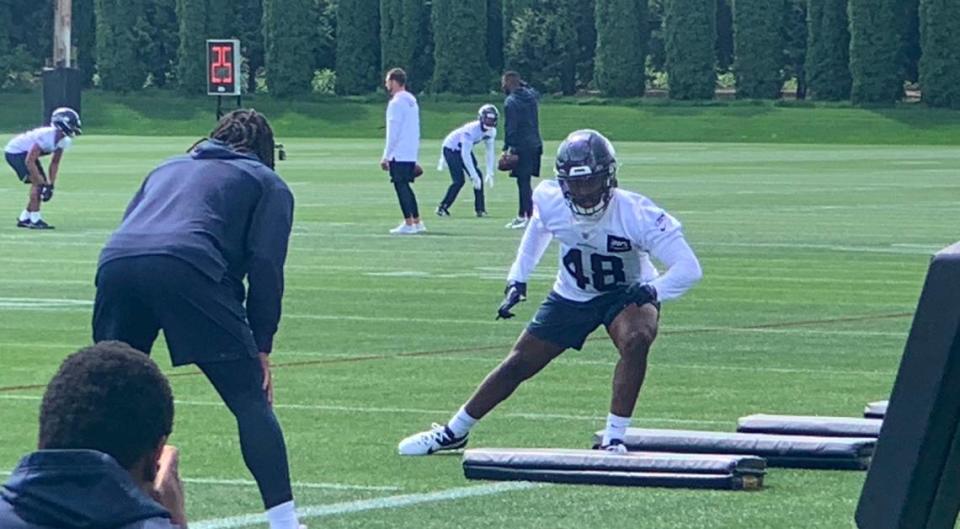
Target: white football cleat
(518,223)
(616,446)
(420,227)
(437,439)
(404,229)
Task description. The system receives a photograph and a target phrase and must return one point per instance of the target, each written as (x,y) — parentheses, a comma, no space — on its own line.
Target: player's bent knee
(637,341)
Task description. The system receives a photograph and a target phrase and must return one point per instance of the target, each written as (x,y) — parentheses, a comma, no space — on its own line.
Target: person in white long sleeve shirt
(607,237)
(402,148)
(458,156)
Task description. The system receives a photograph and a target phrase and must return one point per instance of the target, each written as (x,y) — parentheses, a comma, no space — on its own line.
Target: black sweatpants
(528,166)
(401,174)
(458,174)
(204,324)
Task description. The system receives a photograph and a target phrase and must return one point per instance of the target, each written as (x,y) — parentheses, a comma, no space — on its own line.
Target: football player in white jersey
(23,154)
(606,277)
(458,156)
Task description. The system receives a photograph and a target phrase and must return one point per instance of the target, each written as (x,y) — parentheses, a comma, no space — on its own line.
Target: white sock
(35,216)
(461,423)
(616,428)
(24,215)
(283,516)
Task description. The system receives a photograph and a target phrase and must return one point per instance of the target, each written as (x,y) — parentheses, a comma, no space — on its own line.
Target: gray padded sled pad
(876,410)
(792,451)
(732,472)
(808,425)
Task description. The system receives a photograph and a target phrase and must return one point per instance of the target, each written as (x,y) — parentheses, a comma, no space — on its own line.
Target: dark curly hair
(108,397)
(247,131)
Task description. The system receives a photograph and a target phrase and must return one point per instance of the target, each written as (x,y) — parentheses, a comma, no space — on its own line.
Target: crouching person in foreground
(102,459)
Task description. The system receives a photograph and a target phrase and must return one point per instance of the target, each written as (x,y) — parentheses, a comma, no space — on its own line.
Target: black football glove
(515,293)
(46,192)
(641,294)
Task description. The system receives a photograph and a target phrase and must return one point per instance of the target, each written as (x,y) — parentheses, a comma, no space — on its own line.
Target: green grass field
(813,256)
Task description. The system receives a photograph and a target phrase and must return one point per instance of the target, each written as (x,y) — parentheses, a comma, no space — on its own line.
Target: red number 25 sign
(223,67)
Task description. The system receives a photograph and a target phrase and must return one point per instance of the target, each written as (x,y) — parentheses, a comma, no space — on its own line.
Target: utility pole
(61,34)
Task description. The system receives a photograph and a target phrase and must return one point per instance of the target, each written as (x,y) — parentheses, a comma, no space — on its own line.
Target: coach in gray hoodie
(102,462)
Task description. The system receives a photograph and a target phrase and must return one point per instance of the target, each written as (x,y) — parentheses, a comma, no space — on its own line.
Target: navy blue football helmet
(587,171)
(67,120)
(488,116)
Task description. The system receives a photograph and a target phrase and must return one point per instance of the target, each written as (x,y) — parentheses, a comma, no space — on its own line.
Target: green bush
(542,48)
(121,68)
(191,56)
(460,38)
(620,67)
(828,46)
(405,37)
(689,35)
(875,45)
(759,44)
(940,63)
(358,47)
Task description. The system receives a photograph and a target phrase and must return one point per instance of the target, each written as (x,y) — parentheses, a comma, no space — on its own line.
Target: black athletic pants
(204,324)
(401,174)
(458,173)
(528,166)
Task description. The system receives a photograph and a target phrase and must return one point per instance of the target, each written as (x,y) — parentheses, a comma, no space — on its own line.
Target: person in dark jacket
(197,227)
(102,460)
(522,138)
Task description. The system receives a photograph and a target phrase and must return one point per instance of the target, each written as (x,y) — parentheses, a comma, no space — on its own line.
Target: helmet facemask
(588,195)
(586,170)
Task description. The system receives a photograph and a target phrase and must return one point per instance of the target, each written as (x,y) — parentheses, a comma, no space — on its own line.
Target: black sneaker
(442,211)
(40,225)
(23,223)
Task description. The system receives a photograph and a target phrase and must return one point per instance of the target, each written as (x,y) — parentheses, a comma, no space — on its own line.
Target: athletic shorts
(18,161)
(568,323)
(203,321)
(401,172)
(528,163)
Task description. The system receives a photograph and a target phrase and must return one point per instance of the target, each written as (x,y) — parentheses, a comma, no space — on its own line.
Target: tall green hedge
(875,47)
(828,50)
(910,49)
(758,44)
(940,63)
(358,47)
(460,37)
(118,63)
(689,35)
(404,32)
(542,48)
(725,45)
(622,36)
(795,44)
(247,25)
(289,30)
(159,37)
(495,36)
(584,17)
(191,56)
(84,37)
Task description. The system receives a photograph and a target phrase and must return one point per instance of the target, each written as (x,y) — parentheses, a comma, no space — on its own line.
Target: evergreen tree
(910,49)
(940,64)
(584,17)
(458,28)
(247,26)
(725,46)
(542,48)
(655,44)
(191,52)
(828,57)
(495,35)
(795,45)
(118,60)
(358,47)
(84,36)
(758,41)
(875,48)
(159,36)
(689,35)
(289,30)
(406,43)
(620,68)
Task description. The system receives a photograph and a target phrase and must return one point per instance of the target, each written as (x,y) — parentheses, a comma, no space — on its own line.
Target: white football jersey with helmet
(44,137)
(604,254)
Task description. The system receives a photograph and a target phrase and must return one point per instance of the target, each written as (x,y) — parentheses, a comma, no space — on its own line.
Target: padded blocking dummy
(915,479)
(595,467)
(809,425)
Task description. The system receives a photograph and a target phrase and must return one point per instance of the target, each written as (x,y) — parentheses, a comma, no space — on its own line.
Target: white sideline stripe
(389,502)
(418,411)
(251,483)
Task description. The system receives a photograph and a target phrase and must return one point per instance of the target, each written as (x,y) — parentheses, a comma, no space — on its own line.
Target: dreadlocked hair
(246,131)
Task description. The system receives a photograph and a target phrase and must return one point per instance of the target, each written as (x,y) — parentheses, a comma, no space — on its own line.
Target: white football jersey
(607,253)
(45,137)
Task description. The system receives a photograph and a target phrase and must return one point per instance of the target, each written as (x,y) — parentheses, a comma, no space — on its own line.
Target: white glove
(477,182)
(488,180)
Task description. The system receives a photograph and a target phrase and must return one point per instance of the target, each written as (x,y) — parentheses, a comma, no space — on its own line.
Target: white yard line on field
(388,502)
(419,411)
